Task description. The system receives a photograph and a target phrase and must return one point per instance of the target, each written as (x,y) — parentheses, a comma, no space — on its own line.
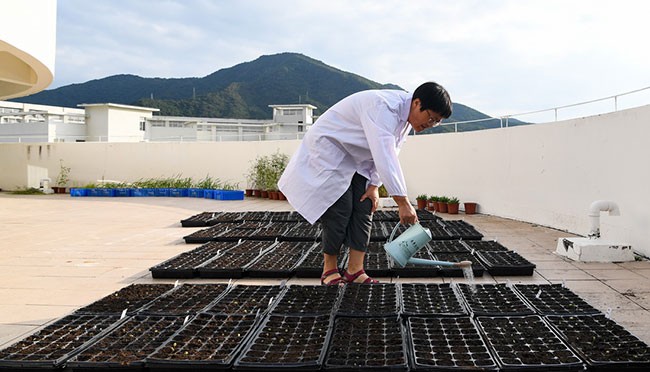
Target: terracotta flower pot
(442,207)
(257,193)
(265,194)
(249,192)
(470,207)
(422,204)
(452,208)
(281,196)
(431,205)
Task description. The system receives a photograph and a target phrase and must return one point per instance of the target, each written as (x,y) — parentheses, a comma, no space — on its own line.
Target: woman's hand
(372,193)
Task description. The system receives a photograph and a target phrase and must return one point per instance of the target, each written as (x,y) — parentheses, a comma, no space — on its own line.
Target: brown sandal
(336,281)
(350,278)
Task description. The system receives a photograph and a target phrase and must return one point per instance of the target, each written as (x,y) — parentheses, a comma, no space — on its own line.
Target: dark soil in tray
(554,299)
(526,342)
(257,216)
(246,299)
(235,234)
(131,298)
(307,300)
(447,246)
(459,229)
(129,344)
(493,299)
(185,265)
(186,299)
(506,263)
(273,231)
(208,234)
(64,337)
(207,341)
(369,300)
(230,217)
(280,261)
(303,231)
(367,344)
(285,216)
(477,267)
(448,343)
(431,299)
(603,343)
(378,232)
(287,342)
(485,246)
(231,262)
(198,220)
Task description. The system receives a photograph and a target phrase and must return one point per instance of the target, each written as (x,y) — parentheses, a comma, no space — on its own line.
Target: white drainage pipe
(594,215)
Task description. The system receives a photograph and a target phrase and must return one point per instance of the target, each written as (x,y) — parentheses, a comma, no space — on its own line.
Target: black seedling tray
(493,300)
(455,272)
(376,261)
(285,216)
(377,232)
(385,215)
(237,234)
(366,300)
(185,264)
(257,216)
(186,299)
(430,299)
(246,299)
(131,298)
(447,344)
(425,215)
(603,344)
(303,232)
(485,246)
(307,300)
(438,232)
(230,263)
(204,235)
(527,343)
(198,220)
(447,246)
(207,342)
(229,217)
(367,344)
(287,343)
(506,263)
(459,229)
(127,345)
(50,346)
(312,264)
(278,262)
(274,231)
(554,299)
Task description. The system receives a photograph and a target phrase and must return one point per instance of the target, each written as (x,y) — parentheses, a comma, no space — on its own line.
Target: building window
(300,128)
(143,124)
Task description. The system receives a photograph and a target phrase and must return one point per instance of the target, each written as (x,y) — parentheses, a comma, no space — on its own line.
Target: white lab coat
(362,133)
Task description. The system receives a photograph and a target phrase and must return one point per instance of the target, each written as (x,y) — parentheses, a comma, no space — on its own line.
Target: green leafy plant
(383,193)
(443,199)
(64,175)
(434,198)
(28,191)
(421,197)
(453,200)
(265,171)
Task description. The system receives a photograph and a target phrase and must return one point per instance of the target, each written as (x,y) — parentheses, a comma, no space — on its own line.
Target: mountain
(242,91)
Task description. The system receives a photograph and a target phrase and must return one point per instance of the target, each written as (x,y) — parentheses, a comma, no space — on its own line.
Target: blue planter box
(162,192)
(143,192)
(122,192)
(229,195)
(101,192)
(78,192)
(178,192)
(195,193)
(208,194)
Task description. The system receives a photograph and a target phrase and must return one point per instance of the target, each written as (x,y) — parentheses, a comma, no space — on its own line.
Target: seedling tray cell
(206,342)
(447,344)
(477,267)
(230,263)
(53,344)
(459,229)
(246,299)
(198,220)
(307,300)
(430,300)
(131,298)
(287,343)
(554,299)
(280,261)
(527,343)
(485,246)
(506,263)
(367,344)
(493,299)
(186,299)
(127,346)
(447,246)
(365,300)
(602,343)
(185,264)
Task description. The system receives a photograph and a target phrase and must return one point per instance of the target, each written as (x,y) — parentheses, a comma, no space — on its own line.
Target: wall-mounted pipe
(594,215)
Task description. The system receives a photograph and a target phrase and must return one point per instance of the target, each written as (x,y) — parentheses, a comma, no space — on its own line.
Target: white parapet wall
(547,174)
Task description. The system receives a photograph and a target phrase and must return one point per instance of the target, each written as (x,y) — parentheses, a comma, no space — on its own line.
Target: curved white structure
(27,46)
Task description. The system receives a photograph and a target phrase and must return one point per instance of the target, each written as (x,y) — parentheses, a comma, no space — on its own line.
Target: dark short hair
(434,97)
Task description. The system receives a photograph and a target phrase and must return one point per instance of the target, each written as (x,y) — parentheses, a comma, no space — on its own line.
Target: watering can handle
(393,233)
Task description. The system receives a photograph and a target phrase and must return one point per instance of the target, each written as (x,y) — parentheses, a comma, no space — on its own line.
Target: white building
(109,122)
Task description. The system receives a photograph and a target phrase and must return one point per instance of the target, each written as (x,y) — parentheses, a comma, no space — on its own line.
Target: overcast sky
(499,57)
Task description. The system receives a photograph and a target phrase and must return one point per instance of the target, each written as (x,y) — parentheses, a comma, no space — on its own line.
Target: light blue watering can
(402,249)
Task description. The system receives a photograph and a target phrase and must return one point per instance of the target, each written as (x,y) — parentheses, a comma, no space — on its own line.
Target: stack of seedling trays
(231,262)
(280,261)
(499,260)
(199,220)
(186,264)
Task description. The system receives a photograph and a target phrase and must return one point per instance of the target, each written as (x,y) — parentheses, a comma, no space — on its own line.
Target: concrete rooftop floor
(59,253)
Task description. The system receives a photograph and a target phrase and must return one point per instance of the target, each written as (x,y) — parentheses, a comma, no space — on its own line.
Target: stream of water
(468,273)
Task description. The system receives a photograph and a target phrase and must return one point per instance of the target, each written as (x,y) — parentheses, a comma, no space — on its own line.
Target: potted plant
(432,203)
(62,179)
(442,204)
(452,205)
(422,201)
(470,207)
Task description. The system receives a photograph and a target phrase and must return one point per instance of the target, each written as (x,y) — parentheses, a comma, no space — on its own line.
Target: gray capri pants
(348,221)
